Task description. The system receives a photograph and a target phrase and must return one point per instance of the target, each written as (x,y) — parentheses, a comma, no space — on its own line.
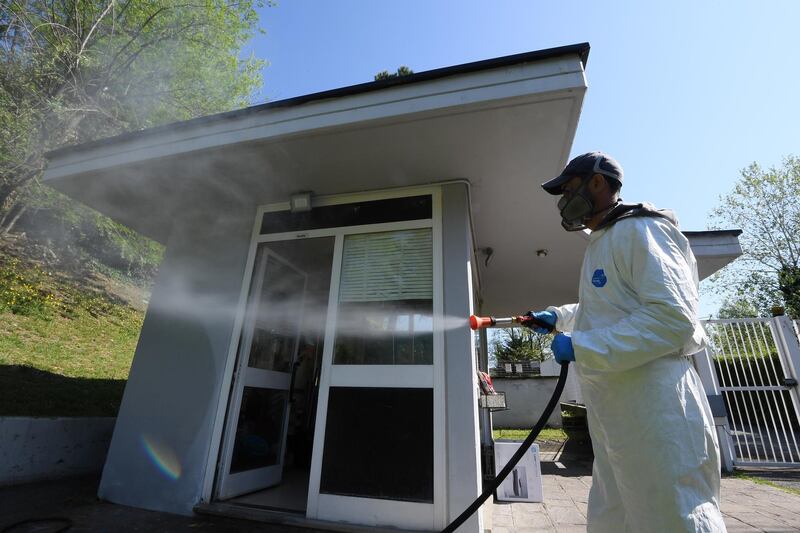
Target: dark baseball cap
(585,165)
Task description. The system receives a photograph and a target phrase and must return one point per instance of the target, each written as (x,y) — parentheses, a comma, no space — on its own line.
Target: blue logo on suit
(599,278)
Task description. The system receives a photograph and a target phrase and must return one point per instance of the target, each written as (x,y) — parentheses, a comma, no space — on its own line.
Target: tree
(765,205)
(738,339)
(401,71)
(737,308)
(72,71)
(513,345)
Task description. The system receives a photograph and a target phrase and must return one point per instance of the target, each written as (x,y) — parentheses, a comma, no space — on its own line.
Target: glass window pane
(385,333)
(278,314)
(379,443)
(386,299)
(392,265)
(259,429)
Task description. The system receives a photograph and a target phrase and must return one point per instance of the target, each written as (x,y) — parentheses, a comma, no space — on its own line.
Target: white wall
(463,443)
(572,388)
(161,442)
(35,449)
(526,398)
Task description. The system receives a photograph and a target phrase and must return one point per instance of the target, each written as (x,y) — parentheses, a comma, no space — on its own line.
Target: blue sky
(683,93)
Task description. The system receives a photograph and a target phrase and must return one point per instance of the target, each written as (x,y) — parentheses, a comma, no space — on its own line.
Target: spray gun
(481,322)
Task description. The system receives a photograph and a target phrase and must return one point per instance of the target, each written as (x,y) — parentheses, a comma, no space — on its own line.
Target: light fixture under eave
(541,253)
(300,202)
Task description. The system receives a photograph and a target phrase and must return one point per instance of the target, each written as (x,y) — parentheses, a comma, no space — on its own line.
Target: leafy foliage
(77,70)
(765,204)
(22,292)
(401,71)
(28,289)
(76,236)
(738,307)
(72,71)
(513,345)
(740,340)
(66,344)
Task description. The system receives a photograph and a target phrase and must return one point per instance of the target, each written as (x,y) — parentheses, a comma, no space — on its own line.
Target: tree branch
(91,32)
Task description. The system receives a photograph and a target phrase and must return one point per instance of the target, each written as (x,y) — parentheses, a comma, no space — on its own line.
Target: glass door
(255,449)
(375,448)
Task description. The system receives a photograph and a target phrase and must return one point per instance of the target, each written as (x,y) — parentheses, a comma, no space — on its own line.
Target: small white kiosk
(305,358)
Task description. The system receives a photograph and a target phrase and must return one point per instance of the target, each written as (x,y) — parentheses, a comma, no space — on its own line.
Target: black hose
(59,523)
(562,379)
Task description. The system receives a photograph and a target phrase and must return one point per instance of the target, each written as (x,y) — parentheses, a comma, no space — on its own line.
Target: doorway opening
(267,455)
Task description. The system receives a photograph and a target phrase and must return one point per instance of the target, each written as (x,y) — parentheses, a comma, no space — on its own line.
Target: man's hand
(548,317)
(562,348)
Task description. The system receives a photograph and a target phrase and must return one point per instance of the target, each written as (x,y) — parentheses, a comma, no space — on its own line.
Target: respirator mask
(576,208)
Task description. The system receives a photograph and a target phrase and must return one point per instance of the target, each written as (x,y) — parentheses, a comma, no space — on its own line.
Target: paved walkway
(746,506)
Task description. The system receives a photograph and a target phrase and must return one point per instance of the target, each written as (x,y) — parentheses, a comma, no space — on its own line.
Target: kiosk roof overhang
(503,125)
(479,121)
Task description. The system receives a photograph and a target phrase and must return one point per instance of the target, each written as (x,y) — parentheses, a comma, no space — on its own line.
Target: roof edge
(713,232)
(581,50)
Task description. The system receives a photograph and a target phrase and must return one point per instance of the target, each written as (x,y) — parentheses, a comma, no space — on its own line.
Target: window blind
(395,265)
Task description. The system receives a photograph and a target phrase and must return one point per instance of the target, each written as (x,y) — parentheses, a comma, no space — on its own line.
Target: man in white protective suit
(656,466)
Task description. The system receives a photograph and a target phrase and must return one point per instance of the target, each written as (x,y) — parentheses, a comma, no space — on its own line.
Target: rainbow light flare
(162,456)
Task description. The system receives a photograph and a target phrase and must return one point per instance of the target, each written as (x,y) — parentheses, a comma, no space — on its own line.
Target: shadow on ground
(28,391)
(570,467)
(73,502)
(573,459)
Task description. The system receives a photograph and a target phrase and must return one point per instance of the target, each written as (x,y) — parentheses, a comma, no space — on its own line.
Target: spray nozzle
(481,322)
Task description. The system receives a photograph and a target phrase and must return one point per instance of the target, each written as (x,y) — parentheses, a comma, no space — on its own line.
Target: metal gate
(755,363)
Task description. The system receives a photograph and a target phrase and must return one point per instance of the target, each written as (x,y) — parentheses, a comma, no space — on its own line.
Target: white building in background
(304,359)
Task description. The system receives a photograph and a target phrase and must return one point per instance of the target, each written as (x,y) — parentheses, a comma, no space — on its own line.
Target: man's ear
(598,183)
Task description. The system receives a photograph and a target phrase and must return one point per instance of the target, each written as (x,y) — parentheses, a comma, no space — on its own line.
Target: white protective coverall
(656,465)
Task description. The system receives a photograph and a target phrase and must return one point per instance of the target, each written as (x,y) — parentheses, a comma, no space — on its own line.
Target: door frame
(438,511)
(249,376)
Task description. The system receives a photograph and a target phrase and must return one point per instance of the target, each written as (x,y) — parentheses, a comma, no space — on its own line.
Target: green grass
(548,434)
(65,350)
(760,481)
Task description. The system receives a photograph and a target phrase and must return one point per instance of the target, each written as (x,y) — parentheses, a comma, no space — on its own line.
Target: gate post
(788,342)
(789,348)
